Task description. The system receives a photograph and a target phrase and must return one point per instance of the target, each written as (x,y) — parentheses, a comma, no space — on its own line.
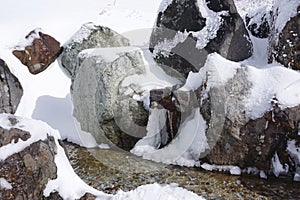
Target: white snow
(266,83)
(4,184)
(247,6)
(157,192)
(28,41)
(164,5)
(277,167)
(103,146)
(234,170)
(68,184)
(286,9)
(294,152)
(212,24)
(185,148)
(263,175)
(107,54)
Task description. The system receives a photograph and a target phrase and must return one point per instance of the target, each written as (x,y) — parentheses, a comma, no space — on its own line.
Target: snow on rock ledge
(87,37)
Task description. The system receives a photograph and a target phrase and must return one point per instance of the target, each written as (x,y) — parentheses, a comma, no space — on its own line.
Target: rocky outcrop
(258,22)
(29,170)
(284,40)
(187,31)
(10,90)
(89,36)
(100,102)
(39,52)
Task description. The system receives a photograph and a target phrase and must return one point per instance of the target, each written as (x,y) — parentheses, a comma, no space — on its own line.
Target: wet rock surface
(109,171)
(42,51)
(28,171)
(10,90)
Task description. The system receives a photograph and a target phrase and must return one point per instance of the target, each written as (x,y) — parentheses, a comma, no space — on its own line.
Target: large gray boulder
(87,37)
(187,31)
(100,103)
(284,40)
(10,90)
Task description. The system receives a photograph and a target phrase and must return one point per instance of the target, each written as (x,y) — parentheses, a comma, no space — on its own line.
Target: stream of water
(109,171)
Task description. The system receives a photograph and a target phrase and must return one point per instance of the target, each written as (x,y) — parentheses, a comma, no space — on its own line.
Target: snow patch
(107,54)
(4,184)
(164,5)
(265,82)
(34,34)
(103,146)
(38,130)
(234,170)
(285,10)
(213,23)
(157,192)
(276,166)
(294,152)
(184,150)
(82,34)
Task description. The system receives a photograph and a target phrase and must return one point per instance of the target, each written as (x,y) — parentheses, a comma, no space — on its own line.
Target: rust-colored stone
(40,54)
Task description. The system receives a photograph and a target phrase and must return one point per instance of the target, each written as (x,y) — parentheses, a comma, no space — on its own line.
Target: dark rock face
(260,139)
(231,39)
(285,45)
(89,36)
(10,90)
(258,23)
(40,54)
(29,170)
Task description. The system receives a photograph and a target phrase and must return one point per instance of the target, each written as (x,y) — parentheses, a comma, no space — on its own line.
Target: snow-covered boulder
(187,31)
(99,99)
(87,37)
(33,163)
(261,115)
(26,162)
(284,40)
(10,90)
(258,22)
(38,51)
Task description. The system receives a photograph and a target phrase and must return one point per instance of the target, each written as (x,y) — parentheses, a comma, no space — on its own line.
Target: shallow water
(109,171)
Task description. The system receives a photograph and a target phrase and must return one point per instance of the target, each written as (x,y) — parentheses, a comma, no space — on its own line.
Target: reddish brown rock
(259,140)
(40,54)
(28,171)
